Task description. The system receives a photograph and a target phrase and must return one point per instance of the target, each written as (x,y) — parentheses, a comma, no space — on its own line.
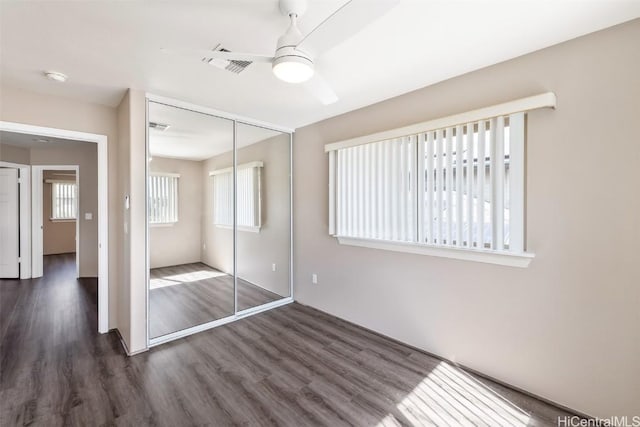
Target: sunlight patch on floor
(450,397)
(178,279)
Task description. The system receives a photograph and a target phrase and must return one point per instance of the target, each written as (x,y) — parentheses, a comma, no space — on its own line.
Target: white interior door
(9,224)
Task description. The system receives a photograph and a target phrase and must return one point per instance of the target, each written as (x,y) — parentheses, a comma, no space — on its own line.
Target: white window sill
(162,224)
(491,257)
(62,219)
(240,228)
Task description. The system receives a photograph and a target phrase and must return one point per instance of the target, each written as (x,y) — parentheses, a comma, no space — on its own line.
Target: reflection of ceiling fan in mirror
(293,60)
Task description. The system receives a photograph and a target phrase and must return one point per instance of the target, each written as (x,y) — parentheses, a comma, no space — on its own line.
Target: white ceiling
(107,46)
(197,136)
(25,140)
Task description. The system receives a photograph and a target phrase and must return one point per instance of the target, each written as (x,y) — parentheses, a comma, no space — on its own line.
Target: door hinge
(19,260)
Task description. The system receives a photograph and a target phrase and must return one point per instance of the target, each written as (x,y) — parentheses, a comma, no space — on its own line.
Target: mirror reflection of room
(183,290)
(191,212)
(263,214)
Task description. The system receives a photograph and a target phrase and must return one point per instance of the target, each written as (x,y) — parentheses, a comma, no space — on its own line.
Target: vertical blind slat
(430,187)
(459,188)
(492,178)
(402,190)
(420,188)
(449,185)
(469,205)
(439,188)
(411,183)
(481,172)
(499,186)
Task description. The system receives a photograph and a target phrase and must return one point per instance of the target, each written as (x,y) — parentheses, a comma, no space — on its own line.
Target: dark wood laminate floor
(292,366)
(187,295)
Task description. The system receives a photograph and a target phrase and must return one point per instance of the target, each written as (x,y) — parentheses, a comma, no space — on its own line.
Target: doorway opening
(55,215)
(18,143)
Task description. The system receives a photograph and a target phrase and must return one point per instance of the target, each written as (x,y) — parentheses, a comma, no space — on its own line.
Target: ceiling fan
(293,60)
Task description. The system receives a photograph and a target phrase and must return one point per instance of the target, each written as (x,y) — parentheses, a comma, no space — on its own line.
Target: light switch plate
(88,216)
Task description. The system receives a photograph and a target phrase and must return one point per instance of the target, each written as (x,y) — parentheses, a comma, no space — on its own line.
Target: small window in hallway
(64,200)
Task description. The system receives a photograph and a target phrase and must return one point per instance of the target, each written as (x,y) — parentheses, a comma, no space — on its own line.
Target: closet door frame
(237,315)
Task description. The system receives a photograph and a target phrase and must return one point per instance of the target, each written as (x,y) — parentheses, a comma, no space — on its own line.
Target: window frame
(515,258)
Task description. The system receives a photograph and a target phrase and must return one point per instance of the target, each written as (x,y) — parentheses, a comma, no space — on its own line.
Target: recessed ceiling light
(41,140)
(54,75)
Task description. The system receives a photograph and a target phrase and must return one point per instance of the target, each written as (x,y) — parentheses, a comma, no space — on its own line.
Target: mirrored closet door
(219,220)
(190,283)
(262,208)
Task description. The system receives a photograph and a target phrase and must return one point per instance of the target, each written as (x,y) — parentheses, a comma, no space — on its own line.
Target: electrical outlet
(204,246)
(273,267)
(314,278)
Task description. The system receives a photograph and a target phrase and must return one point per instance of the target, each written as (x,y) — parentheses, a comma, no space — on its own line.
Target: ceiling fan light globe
(293,69)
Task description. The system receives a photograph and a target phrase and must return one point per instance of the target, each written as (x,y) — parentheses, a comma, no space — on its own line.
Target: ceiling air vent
(230,65)
(158,126)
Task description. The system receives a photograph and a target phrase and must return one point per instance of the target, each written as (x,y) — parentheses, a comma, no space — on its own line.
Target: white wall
(568,327)
(180,243)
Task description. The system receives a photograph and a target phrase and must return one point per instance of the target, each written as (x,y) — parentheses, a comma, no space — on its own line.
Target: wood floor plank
(291,366)
(187,295)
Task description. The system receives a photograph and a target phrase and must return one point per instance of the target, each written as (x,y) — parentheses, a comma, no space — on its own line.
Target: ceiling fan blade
(229,56)
(320,88)
(345,22)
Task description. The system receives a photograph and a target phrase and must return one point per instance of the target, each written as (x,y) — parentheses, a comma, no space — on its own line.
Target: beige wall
(13,154)
(256,251)
(132,162)
(568,327)
(181,242)
(22,106)
(59,237)
(84,155)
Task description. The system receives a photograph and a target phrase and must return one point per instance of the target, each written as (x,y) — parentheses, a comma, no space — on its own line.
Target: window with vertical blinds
(64,203)
(248,197)
(163,198)
(456,185)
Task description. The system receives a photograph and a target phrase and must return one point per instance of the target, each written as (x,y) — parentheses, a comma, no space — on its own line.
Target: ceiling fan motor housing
(291,54)
(287,56)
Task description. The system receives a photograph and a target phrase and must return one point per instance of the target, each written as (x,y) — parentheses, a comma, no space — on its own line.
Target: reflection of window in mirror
(163,198)
(249,197)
